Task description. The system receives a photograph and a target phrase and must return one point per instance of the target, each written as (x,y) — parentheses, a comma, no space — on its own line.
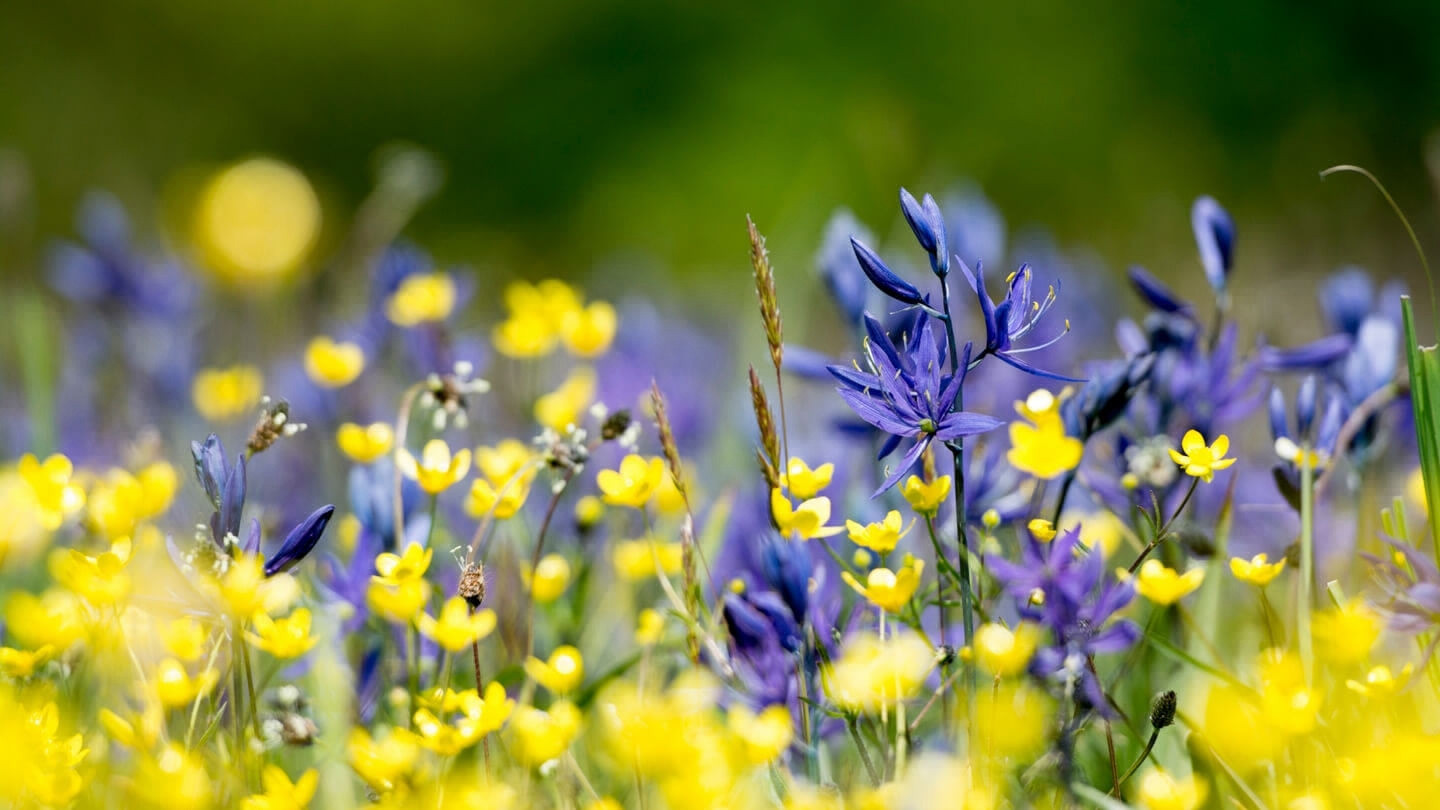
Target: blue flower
(1011,320)
(885,279)
(907,393)
(223,485)
(928,225)
(1215,236)
(1157,294)
(300,542)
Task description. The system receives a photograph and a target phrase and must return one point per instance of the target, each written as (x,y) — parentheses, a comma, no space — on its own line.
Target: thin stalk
(250,690)
(957,451)
(1134,766)
(1307,563)
(1164,530)
(854,729)
(940,592)
(480,690)
(812,759)
(1060,499)
(538,552)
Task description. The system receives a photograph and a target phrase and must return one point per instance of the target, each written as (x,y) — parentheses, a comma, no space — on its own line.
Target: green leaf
(1424,365)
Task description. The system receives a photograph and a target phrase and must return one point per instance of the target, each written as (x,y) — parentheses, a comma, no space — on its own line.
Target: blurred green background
(573,130)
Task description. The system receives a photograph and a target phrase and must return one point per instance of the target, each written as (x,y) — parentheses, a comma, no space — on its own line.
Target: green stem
(854,729)
(1307,563)
(1163,531)
(944,636)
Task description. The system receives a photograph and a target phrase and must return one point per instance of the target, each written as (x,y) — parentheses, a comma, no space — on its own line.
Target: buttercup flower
(886,589)
(436,469)
(1163,585)
(547,582)
(363,444)
(806,520)
(256,222)
(175,687)
(422,298)
(541,736)
(765,735)
(1039,445)
(281,793)
(333,364)
(1199,460)
(1160,791)
(283,638)
(881,536)
(561,673)
(1257,570)
(803,482)
(633,484)
(223,394)
(588,331)
(483,498)
(457,627)
(925,497)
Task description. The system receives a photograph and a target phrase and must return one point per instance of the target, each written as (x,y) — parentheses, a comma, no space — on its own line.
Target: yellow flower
(803,482)
(483,498)
(436,469)
(1013,720)
(886,589)
(1039,446)
(333,364)
(1160,791)
(245,589)
(881,536)
(174,686)
(1286,703)
(1346,633)
(184,638)
(283,638)
(925,497)
(1378,681)
(1415,490)
(222,394)
(479,717)
(541,736)
(397,600)
(411,564)
(383,764)
(588,332)
(282,794)
(421,298)
(766,735)
(56,619)
(561,674)
(1287,449)
(23,663)
(1041,529)
(1163,585)
(1199,460)
(55,496)
(649,627)
(158,483)
(636,559)
(806,520)
(1237,728)
(589,511)
(509,459)
(633,484)
(114,505)
(1257,570)
(256,222)
(550,578)
(1001,651)
(100,580)
(457,628)
(524,335)
(563,407)
(870,672)
(364,444)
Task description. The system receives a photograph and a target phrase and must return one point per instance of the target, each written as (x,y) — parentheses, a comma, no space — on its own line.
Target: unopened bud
(1162,710)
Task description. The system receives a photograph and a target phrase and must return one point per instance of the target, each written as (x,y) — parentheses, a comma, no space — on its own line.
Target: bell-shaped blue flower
(1215,236)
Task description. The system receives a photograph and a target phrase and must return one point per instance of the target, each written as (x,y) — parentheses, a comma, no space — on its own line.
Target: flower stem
(1307,563)
(957,450)
(1164,531)
(944,609)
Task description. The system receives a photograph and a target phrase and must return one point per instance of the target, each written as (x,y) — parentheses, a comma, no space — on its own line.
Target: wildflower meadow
(994,528)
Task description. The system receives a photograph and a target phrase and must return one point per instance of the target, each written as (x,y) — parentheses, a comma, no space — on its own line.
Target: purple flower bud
(787,568)
(300,542)
(1279,419)
(1215,236)
(232,501)
(210,467)
(1156,294)
(1346,298)
(928,224)
(1305,406)
(883,277)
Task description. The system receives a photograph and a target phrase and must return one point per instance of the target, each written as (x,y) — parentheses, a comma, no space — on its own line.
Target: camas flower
(907,394)
(1014,318)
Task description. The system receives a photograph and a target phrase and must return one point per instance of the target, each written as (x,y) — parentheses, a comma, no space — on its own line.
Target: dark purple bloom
(211,467)
(1064,588)
(1014,318)
(907,393)
(1316,355)
(885,279)
(300,542)
(928,224)
(1156,294)
(788,568)
(1215,236)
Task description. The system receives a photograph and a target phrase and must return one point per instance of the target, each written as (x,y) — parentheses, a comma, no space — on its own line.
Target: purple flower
(928,225)
(1215,236)
(300,542)
(885,279)
(907,393)
(1063,588)
(1014,318)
